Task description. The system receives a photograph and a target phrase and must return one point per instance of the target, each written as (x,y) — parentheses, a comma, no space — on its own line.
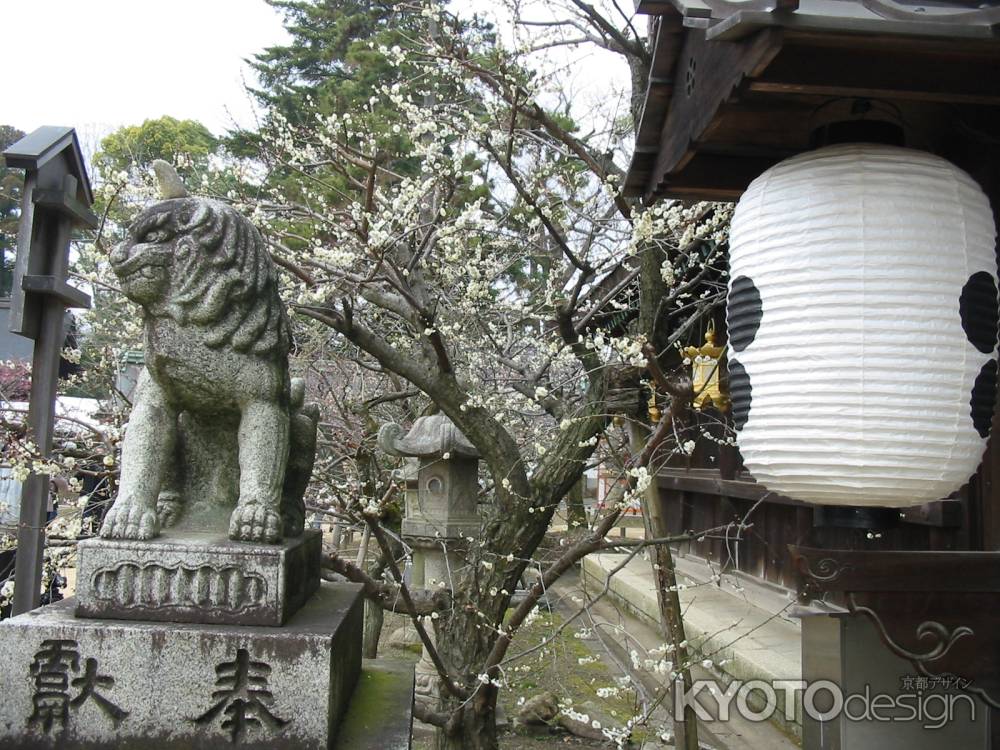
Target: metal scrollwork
(942,638)
(813,581)
(827,570)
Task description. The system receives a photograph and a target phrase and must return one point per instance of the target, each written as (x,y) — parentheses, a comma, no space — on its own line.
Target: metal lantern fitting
(705,365)
(884,259)
(654,411)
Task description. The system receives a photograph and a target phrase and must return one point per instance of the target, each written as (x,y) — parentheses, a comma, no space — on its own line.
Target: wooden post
(41,416)
(671,613)
(56,197)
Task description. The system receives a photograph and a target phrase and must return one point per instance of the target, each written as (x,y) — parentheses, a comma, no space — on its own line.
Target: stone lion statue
(214,409)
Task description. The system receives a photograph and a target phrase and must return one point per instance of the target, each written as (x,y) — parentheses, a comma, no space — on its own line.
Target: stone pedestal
(84,684)
(426,681)
(190,577)
(437,567)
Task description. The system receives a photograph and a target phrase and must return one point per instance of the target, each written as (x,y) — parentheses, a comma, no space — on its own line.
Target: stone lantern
(440,508)
(444,504)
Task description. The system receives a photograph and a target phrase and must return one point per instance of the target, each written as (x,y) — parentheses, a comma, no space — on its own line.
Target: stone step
(380,714)
(744,641)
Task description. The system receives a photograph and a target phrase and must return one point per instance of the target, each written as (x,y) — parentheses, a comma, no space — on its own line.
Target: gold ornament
(654,412)
(705,364)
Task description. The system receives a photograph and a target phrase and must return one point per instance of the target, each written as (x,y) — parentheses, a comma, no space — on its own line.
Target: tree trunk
(464,643)
(476,731)
(374,616)
(671,614)
(686,731)
(576,515)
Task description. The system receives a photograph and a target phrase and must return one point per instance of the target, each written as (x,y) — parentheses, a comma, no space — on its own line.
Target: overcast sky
(97,65)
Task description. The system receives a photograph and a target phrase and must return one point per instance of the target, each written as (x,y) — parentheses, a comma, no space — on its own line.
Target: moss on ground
(567,666)
(570,668)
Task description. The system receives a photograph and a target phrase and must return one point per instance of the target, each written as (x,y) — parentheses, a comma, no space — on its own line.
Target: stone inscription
(52,667)
(242,696)
(160,586)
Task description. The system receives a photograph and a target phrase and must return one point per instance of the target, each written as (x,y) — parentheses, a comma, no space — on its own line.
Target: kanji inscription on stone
(242,696)
(52,667)
(88,684)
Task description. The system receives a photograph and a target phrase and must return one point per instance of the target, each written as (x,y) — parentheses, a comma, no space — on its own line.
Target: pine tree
(337,55)
(10,210)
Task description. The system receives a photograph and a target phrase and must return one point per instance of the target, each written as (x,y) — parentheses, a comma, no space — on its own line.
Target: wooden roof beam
(949,75)
(709,75)
(713,177)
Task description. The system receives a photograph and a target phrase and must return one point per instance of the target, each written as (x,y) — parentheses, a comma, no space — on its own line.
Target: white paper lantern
(863,326)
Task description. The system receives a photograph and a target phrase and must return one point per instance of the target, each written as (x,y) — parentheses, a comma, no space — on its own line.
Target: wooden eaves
(735,87)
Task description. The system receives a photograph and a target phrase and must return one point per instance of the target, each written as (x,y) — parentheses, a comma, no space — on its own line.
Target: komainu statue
(214,410)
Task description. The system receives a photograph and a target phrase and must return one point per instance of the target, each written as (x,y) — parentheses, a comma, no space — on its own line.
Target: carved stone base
(76,684)
(427,683)
(189,577)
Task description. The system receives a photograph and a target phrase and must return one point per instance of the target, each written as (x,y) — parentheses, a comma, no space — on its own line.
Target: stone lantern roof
(434,437)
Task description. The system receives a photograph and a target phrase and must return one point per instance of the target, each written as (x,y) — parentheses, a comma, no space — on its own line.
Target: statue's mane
(224,282)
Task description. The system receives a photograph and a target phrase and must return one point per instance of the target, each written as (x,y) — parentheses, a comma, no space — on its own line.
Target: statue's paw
(130,521)
(253,522)
(168,509)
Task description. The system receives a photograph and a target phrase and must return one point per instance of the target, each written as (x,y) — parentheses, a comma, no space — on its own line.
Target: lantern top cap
(430,437)
(43,145)
(709,348)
